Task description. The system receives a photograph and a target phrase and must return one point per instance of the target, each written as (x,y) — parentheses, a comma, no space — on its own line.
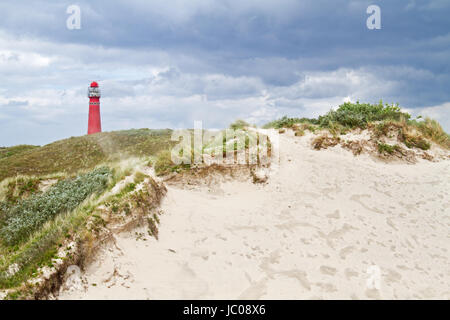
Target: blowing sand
(326,225)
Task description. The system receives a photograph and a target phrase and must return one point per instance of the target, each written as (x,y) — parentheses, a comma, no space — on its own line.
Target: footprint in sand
(349,273)
(334,215)
(328,270)
(346,251)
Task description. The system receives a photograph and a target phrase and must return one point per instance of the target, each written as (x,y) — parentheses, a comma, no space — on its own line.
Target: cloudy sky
(167,63)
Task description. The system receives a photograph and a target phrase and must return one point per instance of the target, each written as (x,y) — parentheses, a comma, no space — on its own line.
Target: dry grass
(413,134)
(415,141)
(356,147)
(324,141)
(6,152)
(164,164)
(85,152)
(432,130)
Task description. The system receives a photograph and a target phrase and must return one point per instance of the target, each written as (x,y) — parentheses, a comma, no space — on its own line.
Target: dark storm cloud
(216,56)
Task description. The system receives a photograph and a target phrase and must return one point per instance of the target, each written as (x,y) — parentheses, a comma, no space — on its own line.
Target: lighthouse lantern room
(94,123)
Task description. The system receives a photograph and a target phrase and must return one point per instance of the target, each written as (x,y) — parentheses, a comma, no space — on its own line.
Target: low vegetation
(6,152)
(33,228)
(51,194)
(415,141)
(324,141)
(22,219)
(432,130)
(286,122)
(17,188)
(356,147)
(84,153)
(78,209)
(346,116)
(358,115)
(384,148)
(164,164)
(217,146)
(382,119)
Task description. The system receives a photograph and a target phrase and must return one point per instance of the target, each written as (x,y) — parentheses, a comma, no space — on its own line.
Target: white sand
(321,227)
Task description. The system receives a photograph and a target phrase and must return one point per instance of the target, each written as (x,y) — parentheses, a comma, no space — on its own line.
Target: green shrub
(358,115)
(22,219)
(348,115)
(286,122)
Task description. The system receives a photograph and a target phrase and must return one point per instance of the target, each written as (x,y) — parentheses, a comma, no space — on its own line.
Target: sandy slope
(319,228)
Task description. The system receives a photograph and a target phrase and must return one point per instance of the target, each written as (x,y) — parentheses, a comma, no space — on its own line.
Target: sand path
(326,225)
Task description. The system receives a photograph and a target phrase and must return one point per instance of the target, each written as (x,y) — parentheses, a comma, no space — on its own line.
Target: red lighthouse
(94,123)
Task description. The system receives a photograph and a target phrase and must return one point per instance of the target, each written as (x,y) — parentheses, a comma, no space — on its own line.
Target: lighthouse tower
(94,123)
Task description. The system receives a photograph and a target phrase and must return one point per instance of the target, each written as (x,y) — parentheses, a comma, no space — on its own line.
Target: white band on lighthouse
(93,92)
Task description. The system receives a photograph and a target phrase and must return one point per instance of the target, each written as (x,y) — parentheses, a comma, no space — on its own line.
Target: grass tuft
(384,148)
(324,141)
(432,130)
(415,141)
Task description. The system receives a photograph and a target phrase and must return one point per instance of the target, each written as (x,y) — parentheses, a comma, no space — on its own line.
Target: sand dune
(322,227)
